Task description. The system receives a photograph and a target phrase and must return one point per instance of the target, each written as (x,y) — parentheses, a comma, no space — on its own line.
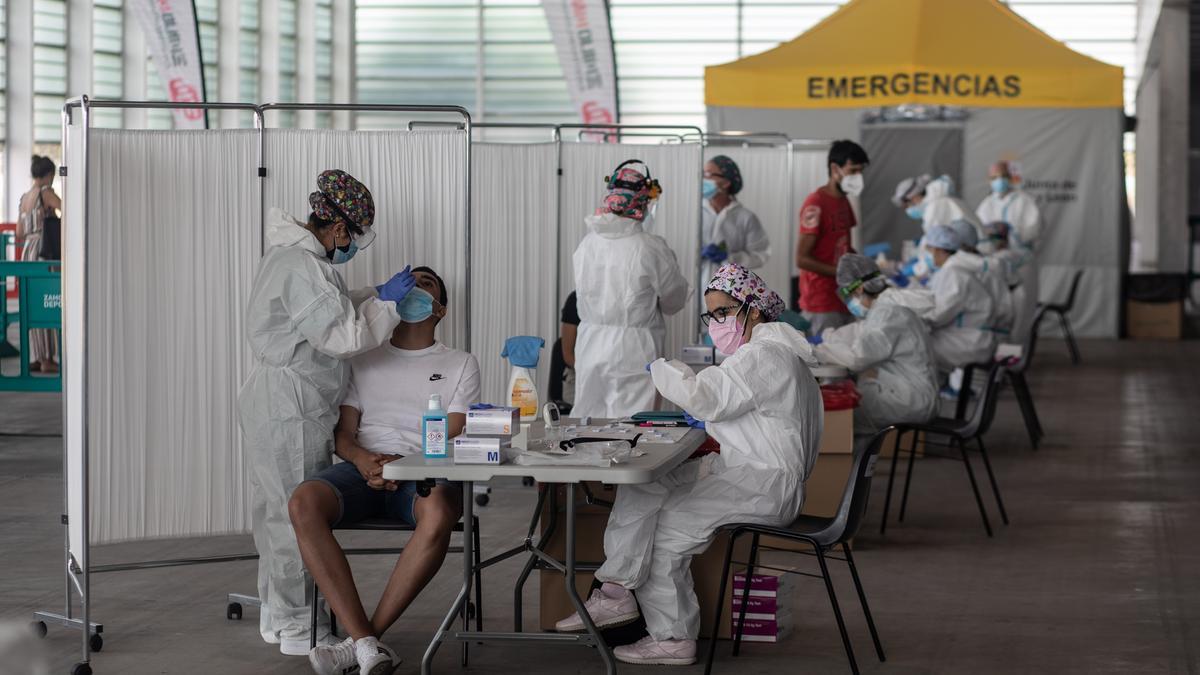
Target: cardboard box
(469,450)
(1154,320)
(838,435)
(493,422)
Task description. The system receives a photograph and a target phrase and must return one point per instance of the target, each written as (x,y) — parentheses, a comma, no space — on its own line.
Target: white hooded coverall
(940,207)
(961,317)
(764,407)
(301,325)
(895,344)
(625,280)
(995,276)
(739,229)
(1020,211)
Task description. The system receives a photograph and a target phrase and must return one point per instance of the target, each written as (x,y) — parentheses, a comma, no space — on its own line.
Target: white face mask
(852,184)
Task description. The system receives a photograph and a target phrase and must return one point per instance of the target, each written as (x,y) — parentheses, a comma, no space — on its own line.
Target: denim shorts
(357,501)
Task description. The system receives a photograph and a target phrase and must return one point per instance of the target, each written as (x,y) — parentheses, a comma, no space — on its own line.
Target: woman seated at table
(764,407)
(380,422)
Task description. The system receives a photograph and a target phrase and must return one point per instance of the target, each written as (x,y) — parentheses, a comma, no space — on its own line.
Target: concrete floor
(1096,574)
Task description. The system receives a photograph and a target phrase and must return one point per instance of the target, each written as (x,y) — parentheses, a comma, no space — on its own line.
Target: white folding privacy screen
(172,247)
(174,232)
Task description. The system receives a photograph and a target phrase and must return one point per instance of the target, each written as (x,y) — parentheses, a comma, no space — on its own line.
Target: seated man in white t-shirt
(380,421)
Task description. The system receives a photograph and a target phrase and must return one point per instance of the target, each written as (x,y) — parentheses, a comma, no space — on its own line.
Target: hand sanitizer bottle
(434,428)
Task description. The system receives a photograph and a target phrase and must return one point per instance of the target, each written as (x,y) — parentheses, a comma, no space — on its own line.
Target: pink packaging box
(761,627)
(756,604)
(759,582)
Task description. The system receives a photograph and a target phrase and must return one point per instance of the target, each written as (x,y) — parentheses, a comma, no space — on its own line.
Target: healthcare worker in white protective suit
(991,271)
(301,325)
(1008,203)
(764,407)
(962,309)
(889,347)
(626,279)
(932,201)
(731,231)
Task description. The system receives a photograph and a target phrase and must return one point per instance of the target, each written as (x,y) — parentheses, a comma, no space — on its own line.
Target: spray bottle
(523,351)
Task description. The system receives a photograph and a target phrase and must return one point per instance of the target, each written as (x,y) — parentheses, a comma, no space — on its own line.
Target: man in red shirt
(825,222)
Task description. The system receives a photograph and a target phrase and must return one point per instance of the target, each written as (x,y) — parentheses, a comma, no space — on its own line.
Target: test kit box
(479,450)
(494,422)
(1154,320)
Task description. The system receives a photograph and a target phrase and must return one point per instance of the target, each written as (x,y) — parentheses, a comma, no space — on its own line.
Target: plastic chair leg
(312,624)
(912,455)
(987,525)
(716,629)
(887,501)
(741,622)
(992,477)
(837,610)
(1070,336)
(862,598)
(1028,412)
(964,393)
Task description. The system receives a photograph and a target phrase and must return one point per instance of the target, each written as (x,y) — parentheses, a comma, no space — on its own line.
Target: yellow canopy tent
(939,52)
(1015,94)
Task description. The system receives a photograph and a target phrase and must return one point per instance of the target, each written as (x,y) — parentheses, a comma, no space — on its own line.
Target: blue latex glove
(693,422)
(523,351)
(815,340)
(648,366)
(900,280)
(714,253)
(482,406)
(398,286)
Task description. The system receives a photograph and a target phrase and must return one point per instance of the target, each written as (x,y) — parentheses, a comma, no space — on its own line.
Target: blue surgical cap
(968,237)
(943,237)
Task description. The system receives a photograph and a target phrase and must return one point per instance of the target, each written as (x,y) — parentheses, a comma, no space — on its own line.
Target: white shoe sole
(381,668)
(661,661)
(614,622)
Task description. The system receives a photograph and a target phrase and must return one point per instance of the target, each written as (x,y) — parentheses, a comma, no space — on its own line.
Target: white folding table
(660,459)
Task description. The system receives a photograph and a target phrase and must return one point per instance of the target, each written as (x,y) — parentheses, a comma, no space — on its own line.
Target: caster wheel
(81,669)
(96,643)
(39,628)
(233,611)
(482,499)
(527,481)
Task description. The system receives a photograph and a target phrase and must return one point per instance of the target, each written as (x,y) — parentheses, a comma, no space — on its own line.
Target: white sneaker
(374,658)
(609,606)
(649,651)
(336,659)
(300,646)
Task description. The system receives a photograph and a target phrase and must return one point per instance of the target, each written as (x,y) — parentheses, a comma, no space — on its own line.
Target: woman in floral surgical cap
(626,279)
(302,324)
(764,407)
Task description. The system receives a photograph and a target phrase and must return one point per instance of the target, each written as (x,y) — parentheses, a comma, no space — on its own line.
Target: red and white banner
(583,39)
(173,42)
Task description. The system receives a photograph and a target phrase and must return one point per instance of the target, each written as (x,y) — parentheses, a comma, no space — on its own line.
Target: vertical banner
(173,40)
(583,39)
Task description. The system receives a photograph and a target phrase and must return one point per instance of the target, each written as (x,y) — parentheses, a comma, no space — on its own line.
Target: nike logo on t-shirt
(435,377)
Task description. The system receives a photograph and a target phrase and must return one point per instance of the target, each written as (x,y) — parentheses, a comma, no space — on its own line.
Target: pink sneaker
(649,651)
(610,605)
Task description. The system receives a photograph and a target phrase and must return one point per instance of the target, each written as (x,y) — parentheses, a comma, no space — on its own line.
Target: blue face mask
(916,212)
(931,263)
(857,308)
(709,188)
(1000,185)
(416,306)
(341,255)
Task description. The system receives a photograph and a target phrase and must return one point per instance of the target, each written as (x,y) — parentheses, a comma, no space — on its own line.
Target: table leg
(543,541)
(610,664)
(465,591)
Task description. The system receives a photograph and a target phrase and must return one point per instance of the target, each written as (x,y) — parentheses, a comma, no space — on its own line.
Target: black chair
(1016,378)
(959,432)
(1062,309)
(823,534)
(389,525)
